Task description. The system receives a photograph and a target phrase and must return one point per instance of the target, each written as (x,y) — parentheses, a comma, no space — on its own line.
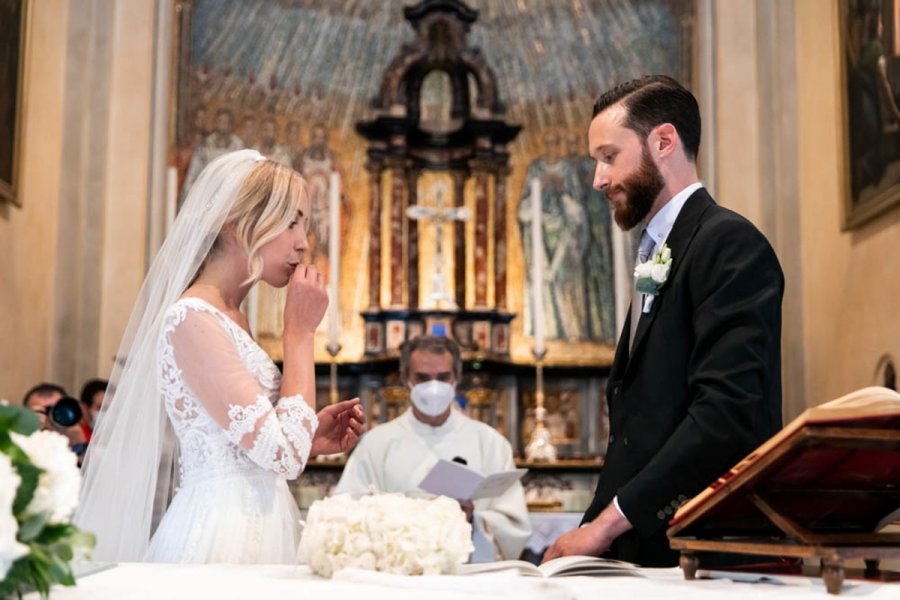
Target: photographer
(93,394)
(58,412)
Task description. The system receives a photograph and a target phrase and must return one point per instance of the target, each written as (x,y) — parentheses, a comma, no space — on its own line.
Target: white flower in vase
(10,549)
(59,484)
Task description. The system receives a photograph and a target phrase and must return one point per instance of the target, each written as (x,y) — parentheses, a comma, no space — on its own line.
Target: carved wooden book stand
(823,487)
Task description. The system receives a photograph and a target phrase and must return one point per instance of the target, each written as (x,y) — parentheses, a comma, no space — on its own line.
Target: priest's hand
(467,507)
(340,426)
(592,539)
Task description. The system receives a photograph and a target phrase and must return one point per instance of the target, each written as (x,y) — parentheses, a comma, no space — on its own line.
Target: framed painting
(870,66)
(13,27)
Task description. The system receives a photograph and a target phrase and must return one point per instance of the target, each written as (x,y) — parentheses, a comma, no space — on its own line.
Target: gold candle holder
(333,351)
(540,447)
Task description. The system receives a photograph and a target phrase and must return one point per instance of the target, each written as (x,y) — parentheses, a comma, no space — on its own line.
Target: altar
(225,582)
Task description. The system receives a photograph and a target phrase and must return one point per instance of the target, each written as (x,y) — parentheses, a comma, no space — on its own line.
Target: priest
(396,456)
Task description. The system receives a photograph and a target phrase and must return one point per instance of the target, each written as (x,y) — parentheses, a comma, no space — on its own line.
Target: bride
(190,461)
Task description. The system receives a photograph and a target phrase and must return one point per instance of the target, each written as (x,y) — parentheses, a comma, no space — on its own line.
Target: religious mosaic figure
(316,164)
(221,141)
(564,226)
(294,143)
(268,143)
(600,304)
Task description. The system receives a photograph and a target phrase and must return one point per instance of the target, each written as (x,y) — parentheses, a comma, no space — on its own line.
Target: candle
(171,196)
(334,258)
(537,267)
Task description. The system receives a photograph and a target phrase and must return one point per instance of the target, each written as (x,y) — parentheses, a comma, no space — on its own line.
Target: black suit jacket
(702,386)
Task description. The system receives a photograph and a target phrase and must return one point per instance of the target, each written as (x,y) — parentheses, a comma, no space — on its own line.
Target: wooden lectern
(823,487)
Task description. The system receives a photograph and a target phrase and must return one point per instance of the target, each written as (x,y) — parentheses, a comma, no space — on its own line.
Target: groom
(696,380)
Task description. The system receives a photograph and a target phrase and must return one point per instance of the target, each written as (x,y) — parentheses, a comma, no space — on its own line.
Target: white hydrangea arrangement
(39,485)
(386,532)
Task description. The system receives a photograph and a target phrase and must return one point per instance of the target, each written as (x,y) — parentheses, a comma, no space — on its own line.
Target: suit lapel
(678,242)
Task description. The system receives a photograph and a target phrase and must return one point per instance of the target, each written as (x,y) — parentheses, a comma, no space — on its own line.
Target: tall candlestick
(537,267)
(171,196)
(334,260)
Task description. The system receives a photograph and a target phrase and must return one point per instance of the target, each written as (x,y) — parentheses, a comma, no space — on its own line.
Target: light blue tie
(637,298)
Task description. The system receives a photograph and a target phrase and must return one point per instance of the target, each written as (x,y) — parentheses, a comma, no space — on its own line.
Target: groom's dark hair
(653,100)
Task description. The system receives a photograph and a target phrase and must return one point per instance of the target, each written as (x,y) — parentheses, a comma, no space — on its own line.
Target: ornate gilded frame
(13,82)
(862,203)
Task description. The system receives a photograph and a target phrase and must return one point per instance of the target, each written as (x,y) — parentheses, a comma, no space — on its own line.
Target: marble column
(500,238)
(412,246)
(375,169)
(398,215)
(459,241)
(481,238)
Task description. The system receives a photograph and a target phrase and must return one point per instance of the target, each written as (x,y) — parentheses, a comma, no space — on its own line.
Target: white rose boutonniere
(651,275)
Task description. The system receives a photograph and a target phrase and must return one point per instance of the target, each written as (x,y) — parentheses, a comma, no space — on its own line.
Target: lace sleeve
(204,354)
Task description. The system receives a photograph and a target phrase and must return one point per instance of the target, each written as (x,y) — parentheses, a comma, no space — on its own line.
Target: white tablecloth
(547,526)
(268,582)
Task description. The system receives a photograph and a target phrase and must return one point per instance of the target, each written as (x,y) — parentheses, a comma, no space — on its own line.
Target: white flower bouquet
(386,532)
(39,483)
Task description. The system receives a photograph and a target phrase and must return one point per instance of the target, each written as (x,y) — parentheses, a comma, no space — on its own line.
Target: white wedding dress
(238,443)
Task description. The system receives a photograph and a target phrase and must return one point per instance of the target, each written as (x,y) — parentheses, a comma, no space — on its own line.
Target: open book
(458,481)
(810,471)
(564,566)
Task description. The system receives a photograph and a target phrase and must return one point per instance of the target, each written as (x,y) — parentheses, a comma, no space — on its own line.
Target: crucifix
(438,215)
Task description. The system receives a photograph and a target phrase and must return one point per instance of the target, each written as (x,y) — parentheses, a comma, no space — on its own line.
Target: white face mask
(432,398)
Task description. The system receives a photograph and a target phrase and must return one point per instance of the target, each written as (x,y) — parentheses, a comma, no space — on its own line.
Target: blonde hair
(265,206)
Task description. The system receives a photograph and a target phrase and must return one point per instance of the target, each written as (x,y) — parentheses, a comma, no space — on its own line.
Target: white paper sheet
(459,481)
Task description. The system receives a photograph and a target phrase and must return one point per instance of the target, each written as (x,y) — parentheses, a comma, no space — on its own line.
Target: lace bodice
(221,392)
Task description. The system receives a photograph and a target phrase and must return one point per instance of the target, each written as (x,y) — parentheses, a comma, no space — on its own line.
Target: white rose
(659,272)
(10,549)
(643,270)
(58,486)
(665,255)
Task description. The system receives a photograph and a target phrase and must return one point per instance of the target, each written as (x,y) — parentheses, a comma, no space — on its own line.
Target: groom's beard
(641,189)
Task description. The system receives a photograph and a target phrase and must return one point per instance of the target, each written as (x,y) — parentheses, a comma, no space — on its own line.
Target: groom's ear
(663,140)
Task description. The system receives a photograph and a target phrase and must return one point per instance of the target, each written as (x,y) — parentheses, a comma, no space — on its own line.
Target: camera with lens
(66,412)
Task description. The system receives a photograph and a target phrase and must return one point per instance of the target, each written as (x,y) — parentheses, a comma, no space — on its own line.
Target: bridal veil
(130,469)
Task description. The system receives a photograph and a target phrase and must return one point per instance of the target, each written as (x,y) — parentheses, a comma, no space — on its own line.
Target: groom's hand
(593,539)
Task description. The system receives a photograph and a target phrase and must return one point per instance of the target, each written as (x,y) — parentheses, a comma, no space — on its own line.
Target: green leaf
(19,419)
(40,571)
(18,574)
(30,476)
(31,527)
(82,539)
(61,573)
(63,551)
(55,532)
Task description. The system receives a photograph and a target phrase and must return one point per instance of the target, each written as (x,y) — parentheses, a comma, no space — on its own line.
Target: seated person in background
(41,399)
(92,396)
(396,456)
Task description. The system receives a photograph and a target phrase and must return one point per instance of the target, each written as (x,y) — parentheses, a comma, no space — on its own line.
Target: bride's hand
(340,426)
(306,300)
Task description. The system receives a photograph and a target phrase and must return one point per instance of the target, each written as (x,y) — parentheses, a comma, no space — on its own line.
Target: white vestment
(396,456)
